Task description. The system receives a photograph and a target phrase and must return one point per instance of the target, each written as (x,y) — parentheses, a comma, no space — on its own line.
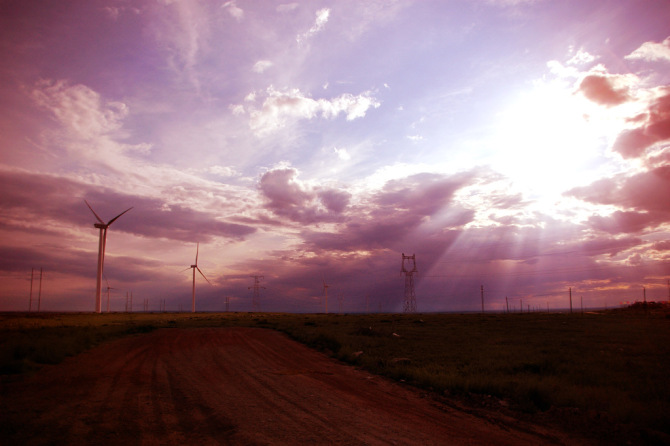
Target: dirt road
(232,386)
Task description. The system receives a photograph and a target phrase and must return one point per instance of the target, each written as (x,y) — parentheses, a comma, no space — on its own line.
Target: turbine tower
(194,267)
(101,252)
(255,300)
(410,299)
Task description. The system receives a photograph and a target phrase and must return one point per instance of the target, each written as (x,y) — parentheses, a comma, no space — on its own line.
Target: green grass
(614,362)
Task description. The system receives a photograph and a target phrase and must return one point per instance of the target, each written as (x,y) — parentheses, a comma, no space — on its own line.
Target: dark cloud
(289,198)
(151,218)
(609,245)
(655,128)
(600,89)
(396,213)
(647,191)
(420,195)
(661,246)
(627,222)
(334,200)
(647,194)
(34,197)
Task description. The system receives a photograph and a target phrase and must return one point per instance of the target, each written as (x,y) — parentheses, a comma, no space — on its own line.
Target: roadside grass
(613,362)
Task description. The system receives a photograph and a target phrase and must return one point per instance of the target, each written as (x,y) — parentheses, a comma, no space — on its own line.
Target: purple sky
(522,145)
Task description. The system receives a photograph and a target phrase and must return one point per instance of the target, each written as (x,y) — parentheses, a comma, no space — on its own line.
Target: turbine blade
(203,276)
(114,219)
(185,269)
(96,215)
(197,249)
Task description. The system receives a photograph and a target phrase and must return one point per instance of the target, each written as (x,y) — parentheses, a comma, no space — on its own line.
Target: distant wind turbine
(101,252)
(108,288)
(325,292)
(194,267)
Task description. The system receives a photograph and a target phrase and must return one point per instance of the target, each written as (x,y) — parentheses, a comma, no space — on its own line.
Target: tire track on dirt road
(246,386)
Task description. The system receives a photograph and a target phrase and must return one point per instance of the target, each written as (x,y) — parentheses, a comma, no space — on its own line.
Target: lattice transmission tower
(255,300)
(410,298)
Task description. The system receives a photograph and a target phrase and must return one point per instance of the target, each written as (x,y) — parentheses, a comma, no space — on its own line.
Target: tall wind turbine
(101,252)
(194,267)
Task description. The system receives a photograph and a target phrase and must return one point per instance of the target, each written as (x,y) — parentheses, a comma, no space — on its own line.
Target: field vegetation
(613,364)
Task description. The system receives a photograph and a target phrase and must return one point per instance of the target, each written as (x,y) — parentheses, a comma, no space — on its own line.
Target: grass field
(614,362)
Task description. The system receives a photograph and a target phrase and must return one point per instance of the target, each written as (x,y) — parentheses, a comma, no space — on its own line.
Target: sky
(521,147)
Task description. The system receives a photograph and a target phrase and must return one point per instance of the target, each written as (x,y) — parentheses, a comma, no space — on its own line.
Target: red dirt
(235,386)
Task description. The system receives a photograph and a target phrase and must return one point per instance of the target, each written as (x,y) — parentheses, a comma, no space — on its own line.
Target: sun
(548,140)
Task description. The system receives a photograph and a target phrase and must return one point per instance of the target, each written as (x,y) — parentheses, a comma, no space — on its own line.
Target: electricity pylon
(410,298)
(255,300)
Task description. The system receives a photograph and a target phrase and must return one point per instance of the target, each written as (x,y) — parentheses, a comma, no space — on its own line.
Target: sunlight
(547,141)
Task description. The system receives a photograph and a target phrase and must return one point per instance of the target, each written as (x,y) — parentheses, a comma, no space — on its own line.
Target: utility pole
(409,305)
(39,293)
(255,300)
(30,302)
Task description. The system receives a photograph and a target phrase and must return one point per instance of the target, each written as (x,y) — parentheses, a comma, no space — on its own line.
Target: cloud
(79,108)
(281,107)
(652,51)
(335,201)
(655,128)
(29,199)
(602,90)
(627,222)
(322,16)
(645,191)
(581,57)
(511,3)
(661,246)
(223,171)
(89,125)
(387,217)
(234,10)
(342,154)
(288,197)
(287,7)
(183,29)
(646,195)
(261,66)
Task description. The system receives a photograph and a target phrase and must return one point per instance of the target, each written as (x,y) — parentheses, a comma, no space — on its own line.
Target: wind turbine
(194,267)
(101,252)
(108,288)
(325,291)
